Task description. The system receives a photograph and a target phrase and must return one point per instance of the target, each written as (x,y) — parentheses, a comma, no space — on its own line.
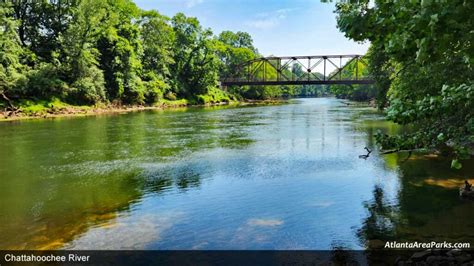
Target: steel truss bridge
(320,69)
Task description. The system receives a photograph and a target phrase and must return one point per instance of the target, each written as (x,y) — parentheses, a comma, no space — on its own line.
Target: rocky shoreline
(76,111)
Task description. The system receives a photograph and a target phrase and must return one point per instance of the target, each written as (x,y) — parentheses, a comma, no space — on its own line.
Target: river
(268,177)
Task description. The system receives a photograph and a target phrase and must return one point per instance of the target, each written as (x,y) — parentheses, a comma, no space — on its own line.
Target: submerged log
(365,156)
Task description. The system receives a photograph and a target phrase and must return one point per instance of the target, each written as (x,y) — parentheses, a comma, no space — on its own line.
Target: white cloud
(192,3)
(269,20)
(281,13)
(262,23)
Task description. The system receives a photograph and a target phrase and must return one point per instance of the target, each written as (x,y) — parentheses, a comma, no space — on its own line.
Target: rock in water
(466,193)
(421,255)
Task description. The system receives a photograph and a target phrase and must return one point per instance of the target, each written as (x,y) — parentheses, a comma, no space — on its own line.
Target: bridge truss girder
(254,72)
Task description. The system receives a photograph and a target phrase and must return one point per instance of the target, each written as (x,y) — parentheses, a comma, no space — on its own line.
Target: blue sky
(278,27)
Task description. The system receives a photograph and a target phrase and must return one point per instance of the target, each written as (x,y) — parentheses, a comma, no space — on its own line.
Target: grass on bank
(214,96)
(36,107)
(42,107)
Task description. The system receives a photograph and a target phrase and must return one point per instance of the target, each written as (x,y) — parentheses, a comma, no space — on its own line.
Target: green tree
(352,70)
(157,40)
(88,52)
(427,45)
(195,63)
(40,23)
(81,64)
(12,76)
(234,50)
(120,51)
(237,40)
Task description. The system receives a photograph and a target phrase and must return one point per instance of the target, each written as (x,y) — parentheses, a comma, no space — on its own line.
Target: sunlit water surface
(269,177)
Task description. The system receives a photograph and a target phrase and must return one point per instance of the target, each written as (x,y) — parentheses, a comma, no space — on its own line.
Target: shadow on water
(182,177)
(426,206)
(53,213)
(59,178)
(379,224)
(421,204)
(235,178)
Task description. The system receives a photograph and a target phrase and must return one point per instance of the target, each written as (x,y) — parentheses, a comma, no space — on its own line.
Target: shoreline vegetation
(33,110)
(112,53)
(421,57)
(57,109)
(81,57)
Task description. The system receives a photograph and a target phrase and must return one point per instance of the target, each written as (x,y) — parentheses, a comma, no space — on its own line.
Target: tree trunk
(11,107)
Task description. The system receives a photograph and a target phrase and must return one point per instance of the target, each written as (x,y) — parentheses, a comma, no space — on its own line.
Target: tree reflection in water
(426,206)
(380,222)
(341,255)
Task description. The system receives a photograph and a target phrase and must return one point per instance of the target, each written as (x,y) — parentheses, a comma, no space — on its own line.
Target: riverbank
(56,109)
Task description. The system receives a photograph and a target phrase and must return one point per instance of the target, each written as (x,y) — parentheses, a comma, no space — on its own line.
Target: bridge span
(280,70)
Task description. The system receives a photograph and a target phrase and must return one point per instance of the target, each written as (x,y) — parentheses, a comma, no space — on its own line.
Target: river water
(268,177)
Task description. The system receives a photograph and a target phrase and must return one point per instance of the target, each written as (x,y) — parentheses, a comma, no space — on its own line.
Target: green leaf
(440,137)
(425,3)
(455,164)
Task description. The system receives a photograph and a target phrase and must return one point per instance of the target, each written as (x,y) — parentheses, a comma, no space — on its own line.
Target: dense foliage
(90,52)
(353,92)
(422,57)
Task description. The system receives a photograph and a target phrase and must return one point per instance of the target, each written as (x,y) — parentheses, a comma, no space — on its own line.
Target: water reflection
(49,218)
(60,178)
(163,177)
(272,177)
(422,204)
(265,222)
(425,208)
(126,232)
(379,225)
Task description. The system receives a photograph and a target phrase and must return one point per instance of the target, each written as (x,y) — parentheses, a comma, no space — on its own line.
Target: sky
(278,27)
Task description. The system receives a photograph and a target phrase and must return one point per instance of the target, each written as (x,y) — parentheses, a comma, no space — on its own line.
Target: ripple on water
(268,177)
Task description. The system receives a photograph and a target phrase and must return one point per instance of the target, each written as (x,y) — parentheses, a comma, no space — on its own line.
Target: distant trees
(354,92)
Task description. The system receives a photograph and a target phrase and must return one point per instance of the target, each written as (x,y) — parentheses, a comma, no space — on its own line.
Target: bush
(44,82)
(354,92)
(39,107)
(170,96)
(154,87)
(89,89)
(214,95)
(134,91)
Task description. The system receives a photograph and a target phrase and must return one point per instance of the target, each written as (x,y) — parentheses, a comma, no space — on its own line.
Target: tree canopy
(421,56)
(90,52)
